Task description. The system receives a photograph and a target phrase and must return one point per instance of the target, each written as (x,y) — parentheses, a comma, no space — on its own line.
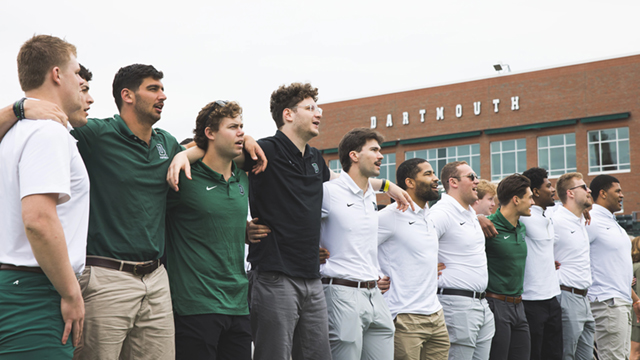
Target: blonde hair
(486,187)
(564,183)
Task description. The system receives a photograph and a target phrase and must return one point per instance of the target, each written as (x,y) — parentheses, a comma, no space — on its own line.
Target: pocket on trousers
(342,308)
(85,280)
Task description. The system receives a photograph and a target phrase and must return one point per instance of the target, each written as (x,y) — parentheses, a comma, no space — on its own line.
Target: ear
(516,200)
(410,183)
(287,115)
(536,192)
(602,194)
(55,75)
(127,96)
(209,133)
(353,156)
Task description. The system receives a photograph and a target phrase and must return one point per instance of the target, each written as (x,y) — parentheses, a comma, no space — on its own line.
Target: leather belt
(31,269)
(511,299)
(582,292)
(142,268)
(467,293)
(356,284)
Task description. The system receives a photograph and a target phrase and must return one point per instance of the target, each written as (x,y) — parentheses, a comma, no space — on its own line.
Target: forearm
(194,154)
(7,120)
(634,296)
(376,184)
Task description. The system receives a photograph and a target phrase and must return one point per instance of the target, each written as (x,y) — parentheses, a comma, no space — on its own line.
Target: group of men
(462,286)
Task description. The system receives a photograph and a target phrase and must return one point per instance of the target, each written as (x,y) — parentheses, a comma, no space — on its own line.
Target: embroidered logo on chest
(162,152)
(315,167)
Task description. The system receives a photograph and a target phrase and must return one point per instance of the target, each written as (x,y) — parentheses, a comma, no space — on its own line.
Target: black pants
(213,337)
(545,328)
(511,340)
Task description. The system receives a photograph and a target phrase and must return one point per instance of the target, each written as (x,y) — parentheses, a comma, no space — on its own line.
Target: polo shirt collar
(601,210)
(503,220)
(348,181)
(456,204)
(290,146)
(564,212)
(123,129)
(216,175)
(535,209)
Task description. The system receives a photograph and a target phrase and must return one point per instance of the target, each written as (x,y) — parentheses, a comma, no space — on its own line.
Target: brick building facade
(573,118)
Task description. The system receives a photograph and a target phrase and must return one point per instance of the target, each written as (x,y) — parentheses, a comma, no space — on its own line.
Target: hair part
(564,183)
(211,116)
(512,185)
(38,56)
(486,187)
(354,140)
(449,171)
(536,175)
(601,182)
(408,170)
(287,97)
(130,77)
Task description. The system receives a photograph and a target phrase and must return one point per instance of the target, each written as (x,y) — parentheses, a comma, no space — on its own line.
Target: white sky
(243,50)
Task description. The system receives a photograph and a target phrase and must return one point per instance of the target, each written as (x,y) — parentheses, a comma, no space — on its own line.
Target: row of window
(608,151)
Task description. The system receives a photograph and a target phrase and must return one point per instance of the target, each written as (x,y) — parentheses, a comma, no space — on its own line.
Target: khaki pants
(421,337)
(613,328)
(126,316)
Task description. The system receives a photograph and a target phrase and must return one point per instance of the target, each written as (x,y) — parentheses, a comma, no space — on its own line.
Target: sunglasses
(471,176)
(583,186)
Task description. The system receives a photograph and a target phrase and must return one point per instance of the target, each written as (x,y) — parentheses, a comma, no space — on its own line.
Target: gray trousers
(511,340)
(360,324)
(613,328)
(288,318)
(471,327)
(578,326)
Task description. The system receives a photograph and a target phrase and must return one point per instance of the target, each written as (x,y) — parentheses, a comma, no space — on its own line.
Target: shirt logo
(462,223)
(505,237)
(573,231)
(411,222)
(16,282)
(315,167)
(608,228)
(211,188)
(350,205)
(241,189)
(162,152)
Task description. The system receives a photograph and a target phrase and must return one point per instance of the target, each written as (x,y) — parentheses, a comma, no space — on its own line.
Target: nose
(89,99)
(162,95)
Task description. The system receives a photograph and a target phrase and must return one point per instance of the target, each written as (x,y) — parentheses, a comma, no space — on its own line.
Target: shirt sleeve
(440,220)
(86,136)
(45,163)
(326,201)
(326,172)
(386,225)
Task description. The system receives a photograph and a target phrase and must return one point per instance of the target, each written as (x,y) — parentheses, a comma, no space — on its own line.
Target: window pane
(609,134)
(522,143)
(495,164)
(432,154)
(543,141)
(522,161)
(442,152)
(571,158)
(508,145)
(557,158)
(623,150)
(570,138)
(476,167)
(495,147)
(475,149)
(556,140)
(463,150)
(594,155)
(392,157)
(508,163)
(623,133)
(543,158)
(594,136)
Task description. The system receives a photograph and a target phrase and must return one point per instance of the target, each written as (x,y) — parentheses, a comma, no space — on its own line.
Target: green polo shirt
(128,188)
(506,257)
(206,222)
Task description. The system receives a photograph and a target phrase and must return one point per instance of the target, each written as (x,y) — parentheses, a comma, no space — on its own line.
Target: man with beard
(408,254)
(360,325)
(540,278)
(612,271)
(571,249)
(462,285)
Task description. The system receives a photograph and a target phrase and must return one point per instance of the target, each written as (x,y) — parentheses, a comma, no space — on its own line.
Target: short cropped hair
(38,56)
(287,97)
(449,171)
(210,117)
(408,170)
(601,182)
(536,175)
(512,185)
(564,183)
(486,187)
(85,73)
(130,77)
(354,140)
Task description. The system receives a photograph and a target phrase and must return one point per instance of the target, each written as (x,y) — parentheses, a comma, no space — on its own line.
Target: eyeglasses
(471,176)
(583,186)
(313,108)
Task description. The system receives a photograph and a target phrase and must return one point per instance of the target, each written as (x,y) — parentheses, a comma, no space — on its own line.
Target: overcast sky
(243,50)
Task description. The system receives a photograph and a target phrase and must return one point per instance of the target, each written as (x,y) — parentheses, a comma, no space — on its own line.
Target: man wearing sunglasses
(612,271)
(506,256)
(462,285)
(571,249)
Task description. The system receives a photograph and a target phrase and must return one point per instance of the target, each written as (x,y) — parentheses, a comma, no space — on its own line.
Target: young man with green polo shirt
(44,204)
(206,223)
(506,257)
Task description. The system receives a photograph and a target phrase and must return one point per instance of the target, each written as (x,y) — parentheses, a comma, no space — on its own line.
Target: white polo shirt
(571,249)
(611,264)
(461,246)
(540,278)
(408,254)
(349,230)
(41,157)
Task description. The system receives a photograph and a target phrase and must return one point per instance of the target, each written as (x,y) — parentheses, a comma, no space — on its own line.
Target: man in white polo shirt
(540,278)
(408,254)
(462,285)
(44,211)
(571,249)
(611,269)
(360,324)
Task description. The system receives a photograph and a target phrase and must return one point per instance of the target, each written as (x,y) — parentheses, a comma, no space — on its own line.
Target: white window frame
(502,175)
(566,168)
(616,141)
(449,157)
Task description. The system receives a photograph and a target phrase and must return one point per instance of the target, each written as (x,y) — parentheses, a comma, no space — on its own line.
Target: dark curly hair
(210,117)
(536,175)
(287,97)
